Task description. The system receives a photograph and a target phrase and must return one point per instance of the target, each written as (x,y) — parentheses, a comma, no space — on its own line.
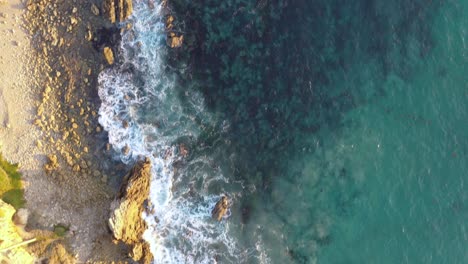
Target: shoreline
(48,122)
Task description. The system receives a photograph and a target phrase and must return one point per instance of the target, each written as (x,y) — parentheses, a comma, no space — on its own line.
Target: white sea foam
(141,111)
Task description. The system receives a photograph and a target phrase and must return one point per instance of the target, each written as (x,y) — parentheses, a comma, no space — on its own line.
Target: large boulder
(220,208)
(126,220)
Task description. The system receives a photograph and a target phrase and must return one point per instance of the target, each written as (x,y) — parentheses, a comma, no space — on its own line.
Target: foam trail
(142,112)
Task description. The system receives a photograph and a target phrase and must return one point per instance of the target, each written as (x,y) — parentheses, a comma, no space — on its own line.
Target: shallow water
(336,129)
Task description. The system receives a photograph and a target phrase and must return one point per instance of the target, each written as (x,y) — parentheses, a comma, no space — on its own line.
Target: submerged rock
(126,222)
(220,208)
(95,9)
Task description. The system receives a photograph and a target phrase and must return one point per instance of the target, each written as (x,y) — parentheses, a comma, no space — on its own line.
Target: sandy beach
(48,123)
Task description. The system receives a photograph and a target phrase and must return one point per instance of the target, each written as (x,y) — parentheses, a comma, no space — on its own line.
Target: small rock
(126,150)
(109,55)
(220,208)
(175,42)
(169,20)
(76,168)
(96,173)
(83,164)
(21,217)
(89,35)
(95,10)
(108,8)
(52,164)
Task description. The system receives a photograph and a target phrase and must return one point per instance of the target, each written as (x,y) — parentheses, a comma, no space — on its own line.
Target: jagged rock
(109,55)
(174,41)
(108,9)
(125,220)
(52,164)
(220,208)
(121,12)
(124,9)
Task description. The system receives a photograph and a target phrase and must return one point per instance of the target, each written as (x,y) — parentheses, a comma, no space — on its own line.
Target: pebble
(95,10)
(104,178)
(76,168)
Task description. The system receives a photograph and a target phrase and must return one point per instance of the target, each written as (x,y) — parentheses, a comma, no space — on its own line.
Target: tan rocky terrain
(48,122)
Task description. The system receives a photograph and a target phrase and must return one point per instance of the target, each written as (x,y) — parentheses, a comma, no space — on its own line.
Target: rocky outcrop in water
(117,9)
(125,220)
(220,208)
(173,40)
(108,55)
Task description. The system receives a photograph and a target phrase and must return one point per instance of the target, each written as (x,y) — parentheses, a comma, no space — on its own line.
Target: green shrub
(11,189)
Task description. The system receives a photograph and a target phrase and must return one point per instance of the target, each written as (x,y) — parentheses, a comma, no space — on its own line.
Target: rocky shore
(125,221)
(69,175)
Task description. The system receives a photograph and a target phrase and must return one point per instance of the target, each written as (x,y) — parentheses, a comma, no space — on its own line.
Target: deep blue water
(337,129)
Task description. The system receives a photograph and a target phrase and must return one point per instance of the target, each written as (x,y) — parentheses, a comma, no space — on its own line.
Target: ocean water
(336,128)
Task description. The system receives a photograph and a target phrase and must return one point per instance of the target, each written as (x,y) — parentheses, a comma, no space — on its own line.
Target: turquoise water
(338,130)
(410,152)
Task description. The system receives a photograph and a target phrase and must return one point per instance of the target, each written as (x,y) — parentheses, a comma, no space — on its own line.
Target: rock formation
(220,208)
(173,40)
(121,11)
(109,55)
(125,220)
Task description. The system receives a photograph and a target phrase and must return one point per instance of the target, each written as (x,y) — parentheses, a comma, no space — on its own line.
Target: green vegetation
(60,230)
(11,189)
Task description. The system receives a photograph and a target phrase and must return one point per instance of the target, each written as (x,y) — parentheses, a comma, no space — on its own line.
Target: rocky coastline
(70,177)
